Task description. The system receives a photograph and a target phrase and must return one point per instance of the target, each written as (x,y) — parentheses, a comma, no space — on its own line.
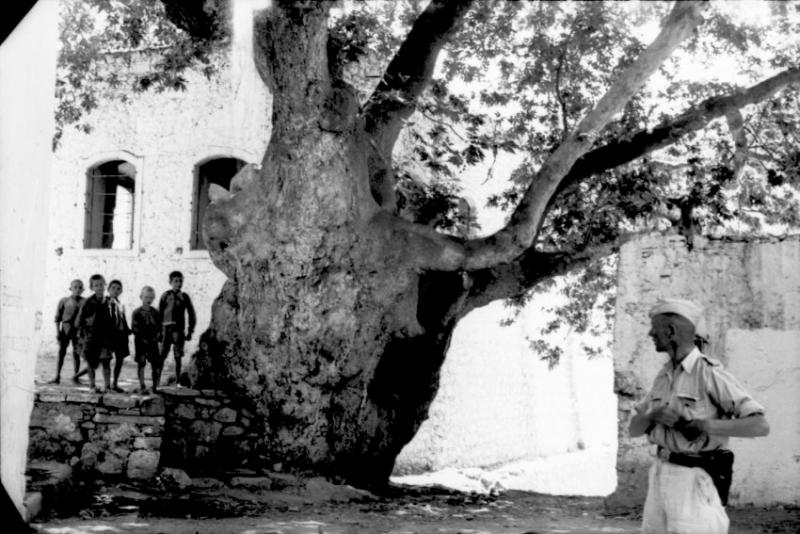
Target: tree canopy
(708,144)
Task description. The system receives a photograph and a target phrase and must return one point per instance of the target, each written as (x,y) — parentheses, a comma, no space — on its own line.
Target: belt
(687,460)
(717,463)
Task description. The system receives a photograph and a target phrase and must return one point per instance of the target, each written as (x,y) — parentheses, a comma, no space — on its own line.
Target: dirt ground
(410,510)
(46,370)
(406,511)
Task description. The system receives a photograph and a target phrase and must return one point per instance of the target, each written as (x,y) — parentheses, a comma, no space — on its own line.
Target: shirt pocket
(694,404)
(687,405)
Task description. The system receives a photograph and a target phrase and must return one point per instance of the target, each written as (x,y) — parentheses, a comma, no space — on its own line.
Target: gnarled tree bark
(337,314)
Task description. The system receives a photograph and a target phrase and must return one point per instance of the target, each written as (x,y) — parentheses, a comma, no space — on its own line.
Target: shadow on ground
(403,510)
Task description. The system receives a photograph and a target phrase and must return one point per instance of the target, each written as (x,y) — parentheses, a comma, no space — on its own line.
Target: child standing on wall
(94,331)
(146,326)
(174,306)
(119,330)
(66,333)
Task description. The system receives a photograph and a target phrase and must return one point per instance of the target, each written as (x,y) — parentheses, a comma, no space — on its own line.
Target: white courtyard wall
(498,402)
(751,294)
(28,67)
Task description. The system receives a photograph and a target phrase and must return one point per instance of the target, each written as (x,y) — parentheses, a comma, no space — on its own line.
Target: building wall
(498,402)
(27,63)
(165,136)
(751,294)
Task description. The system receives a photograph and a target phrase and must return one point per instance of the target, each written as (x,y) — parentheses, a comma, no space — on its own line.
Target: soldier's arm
(640,424)
(746,416)
(751,426)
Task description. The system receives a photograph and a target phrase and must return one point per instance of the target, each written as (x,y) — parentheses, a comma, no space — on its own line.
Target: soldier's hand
(664,415)
(692,429)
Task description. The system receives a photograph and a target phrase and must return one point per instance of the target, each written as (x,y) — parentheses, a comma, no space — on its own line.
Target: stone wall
(751,294)
(115,436)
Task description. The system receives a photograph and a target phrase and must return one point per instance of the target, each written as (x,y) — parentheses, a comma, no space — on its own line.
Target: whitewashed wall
(751,294)
(27,81)
(498,402)
(165,135)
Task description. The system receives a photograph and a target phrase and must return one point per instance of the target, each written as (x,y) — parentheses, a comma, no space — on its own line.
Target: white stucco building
(128,197)
(28,66)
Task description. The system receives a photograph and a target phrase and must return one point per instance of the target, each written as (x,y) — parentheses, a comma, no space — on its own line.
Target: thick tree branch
(290,48)
(408,74)
(428,248)
(515,278)
(512,279)
(559,96)
(520,232)
(643,142)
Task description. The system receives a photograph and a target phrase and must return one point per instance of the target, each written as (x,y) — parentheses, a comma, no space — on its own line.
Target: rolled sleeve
(730,395)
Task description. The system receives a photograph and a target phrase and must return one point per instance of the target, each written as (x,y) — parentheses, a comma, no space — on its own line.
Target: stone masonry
(133,437)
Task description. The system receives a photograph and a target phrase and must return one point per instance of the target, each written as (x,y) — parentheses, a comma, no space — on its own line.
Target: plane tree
(349,254)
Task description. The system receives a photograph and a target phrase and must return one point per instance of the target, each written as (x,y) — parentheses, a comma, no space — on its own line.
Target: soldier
(694,406)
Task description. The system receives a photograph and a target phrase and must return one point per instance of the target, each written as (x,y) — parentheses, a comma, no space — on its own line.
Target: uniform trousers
(682,500)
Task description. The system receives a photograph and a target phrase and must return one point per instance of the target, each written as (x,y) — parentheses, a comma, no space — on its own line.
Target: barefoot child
(94,328)
(66,333)
(146,326)
(174,306)
(119,330)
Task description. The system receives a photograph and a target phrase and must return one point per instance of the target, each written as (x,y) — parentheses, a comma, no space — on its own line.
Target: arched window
(109,205)
(216,172)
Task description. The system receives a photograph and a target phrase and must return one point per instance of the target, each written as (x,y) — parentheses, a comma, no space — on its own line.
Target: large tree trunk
(337,314)
(326,326)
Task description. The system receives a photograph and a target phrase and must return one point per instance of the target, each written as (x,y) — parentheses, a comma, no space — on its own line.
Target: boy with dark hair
(173,307)
(94,328)
(66,333)
(118,336)
(146,326)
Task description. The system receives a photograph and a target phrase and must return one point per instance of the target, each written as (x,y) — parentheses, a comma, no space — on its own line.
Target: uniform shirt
(146,324)
(67,309)
(173,305)
(699,388)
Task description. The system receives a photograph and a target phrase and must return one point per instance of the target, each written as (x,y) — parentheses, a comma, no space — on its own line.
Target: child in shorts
(66,333)
(119,331)
(175,306)
(94,330)
(146,326)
